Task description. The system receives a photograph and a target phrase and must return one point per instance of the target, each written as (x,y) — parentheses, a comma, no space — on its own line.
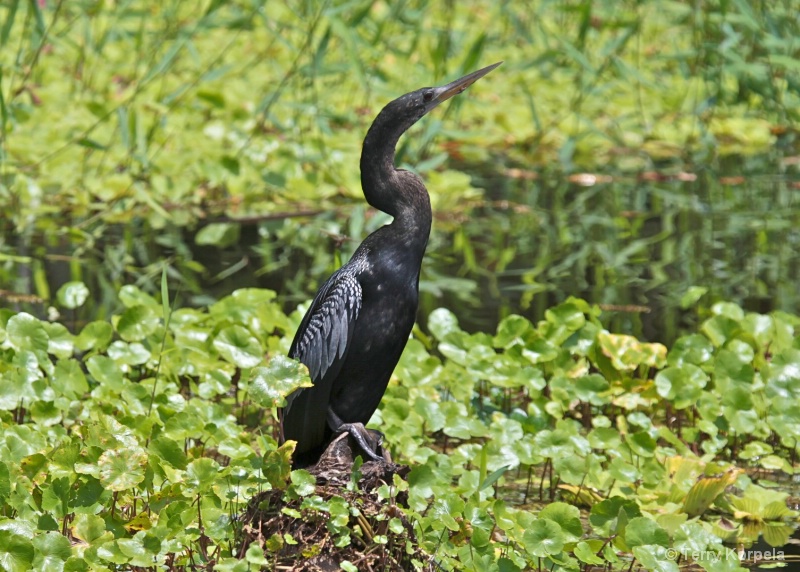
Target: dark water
(633,243)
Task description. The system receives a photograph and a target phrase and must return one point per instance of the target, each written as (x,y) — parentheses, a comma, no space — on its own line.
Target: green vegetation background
(133,433)
(126,125)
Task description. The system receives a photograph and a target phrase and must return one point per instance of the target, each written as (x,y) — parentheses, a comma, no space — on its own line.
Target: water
(633,245)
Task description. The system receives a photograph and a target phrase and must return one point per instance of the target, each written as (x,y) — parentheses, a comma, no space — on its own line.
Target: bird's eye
(427,96)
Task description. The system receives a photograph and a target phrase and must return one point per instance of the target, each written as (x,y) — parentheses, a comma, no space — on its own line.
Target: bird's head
(379,177)
(406,110)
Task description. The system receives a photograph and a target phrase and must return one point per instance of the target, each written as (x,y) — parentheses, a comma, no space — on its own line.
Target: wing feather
(321,344)
(323,335)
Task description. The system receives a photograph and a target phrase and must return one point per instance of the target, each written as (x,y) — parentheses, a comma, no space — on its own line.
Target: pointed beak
(454,88)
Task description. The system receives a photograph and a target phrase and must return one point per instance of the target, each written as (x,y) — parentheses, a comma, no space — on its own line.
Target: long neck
(394,191)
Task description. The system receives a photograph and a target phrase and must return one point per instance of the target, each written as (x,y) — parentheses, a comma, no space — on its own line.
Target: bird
(358,324)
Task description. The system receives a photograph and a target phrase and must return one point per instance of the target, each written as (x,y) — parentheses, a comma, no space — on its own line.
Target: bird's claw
(362,436)
(368,439)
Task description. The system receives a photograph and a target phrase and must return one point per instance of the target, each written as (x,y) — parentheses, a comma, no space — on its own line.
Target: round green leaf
(567,315)
(60,341)
(728,309)
(445,510)
(16,386)
(422,481)
(270,385)
(303,482)
(442,322)
(132,296)
(512,330)
(654,558)
(255,556)
(572,469)
(88,527)
(130,354)
(563,320)
(169,450)
(201,474)
(106,371)
(604,438)
(238,346)
(782,376)
(539,350)
(5,482)
(606,514)
(26,333)
(589,387)
(623,471)
(94,335)
(543,538)
(694,348)
(141,549)
(252,306)
(137,322)
(585,554)
(68,379)
(720,329)
(16,552)
(568,517)
(122,469)
(45,413)
(72,295)
(641,443)
(642,530)
(682,385)
(52,551)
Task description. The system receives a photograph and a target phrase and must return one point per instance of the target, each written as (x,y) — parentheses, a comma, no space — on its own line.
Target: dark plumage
(359,322)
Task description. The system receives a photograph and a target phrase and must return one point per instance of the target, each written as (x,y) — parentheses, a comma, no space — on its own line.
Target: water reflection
(633,245)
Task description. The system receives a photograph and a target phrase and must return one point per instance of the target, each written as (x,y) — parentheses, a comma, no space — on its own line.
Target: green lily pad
(238,346)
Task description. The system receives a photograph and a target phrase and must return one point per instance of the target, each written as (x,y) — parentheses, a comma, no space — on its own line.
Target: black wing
(321,343)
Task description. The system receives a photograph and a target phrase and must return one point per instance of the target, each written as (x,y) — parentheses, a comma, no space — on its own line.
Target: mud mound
(343,520)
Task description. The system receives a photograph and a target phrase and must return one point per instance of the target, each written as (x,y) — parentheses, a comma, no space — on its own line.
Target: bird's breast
(388,311)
